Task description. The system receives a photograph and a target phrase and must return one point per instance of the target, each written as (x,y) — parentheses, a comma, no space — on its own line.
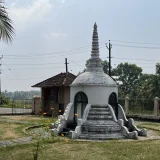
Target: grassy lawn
(57,148)
(150,126)
(10,126)
(113,150)
(10,131)
(29,118)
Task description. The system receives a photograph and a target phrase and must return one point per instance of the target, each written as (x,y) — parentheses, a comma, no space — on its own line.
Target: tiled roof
(59,80)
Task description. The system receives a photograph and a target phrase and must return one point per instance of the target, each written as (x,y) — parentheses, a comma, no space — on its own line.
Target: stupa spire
(94,63)
(95,43)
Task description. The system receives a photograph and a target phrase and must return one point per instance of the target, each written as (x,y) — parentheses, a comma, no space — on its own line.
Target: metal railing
(139,106)
(17,106)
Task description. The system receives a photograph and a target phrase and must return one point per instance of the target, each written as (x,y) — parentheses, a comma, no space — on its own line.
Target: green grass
(113,150)
(57,148)
(11,126)
(150,125)
(29,118)
(11,130)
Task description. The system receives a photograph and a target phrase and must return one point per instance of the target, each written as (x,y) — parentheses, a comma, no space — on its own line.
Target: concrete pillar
(36,104)
(126,105)
(156,106)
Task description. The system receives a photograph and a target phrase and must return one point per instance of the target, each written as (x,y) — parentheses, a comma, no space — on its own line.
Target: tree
(158,68)
(105,65)
(128,75)
(149,86)
(4,100)
(6,28)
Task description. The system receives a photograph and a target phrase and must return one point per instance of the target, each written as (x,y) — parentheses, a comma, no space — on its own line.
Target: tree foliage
(21,94)
(128,75)
(149,86)
(6,27)
(4,100)
(158,69)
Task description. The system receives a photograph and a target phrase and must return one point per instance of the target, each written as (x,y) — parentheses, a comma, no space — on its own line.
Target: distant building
(55,92)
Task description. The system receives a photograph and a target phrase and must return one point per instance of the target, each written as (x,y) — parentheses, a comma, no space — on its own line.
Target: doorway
(80,103)
(113,102)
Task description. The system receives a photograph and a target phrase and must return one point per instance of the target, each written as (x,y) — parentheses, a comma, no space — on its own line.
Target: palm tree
(6,28)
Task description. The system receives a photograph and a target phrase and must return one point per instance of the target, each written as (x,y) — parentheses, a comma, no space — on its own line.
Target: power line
(135,59)
(137,42)
(64,54)
(80,49)
(75,50)
(142,47)
(35,64)
(43,63)
(47,68)
(34,68)
(76,63)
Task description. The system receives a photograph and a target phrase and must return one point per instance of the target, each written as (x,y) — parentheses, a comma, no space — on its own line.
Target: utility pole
(66,66)
(0,80)
(109,48)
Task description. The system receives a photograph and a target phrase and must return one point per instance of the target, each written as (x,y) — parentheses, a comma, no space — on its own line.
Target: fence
(140,106)
(17,106)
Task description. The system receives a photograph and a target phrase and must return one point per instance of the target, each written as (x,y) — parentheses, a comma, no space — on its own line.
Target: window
(51,94)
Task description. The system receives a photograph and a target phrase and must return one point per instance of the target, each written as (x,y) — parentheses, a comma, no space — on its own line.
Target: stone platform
(100,125)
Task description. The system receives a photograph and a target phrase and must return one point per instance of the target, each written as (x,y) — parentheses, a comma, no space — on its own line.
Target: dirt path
(17,141)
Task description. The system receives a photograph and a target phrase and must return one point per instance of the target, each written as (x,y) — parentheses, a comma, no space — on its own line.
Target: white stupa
(94,82)
(93,111)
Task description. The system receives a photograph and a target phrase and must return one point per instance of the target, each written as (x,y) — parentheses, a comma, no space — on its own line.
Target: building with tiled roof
(55,92)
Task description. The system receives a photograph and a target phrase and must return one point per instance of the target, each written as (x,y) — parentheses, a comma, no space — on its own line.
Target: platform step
(100,129)
(100,122)
(96,118)
(96,106)
(101,136)
(100,116)
(99,109)
(99,113)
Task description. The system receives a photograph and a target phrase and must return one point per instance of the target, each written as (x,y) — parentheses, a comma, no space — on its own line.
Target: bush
(4,100)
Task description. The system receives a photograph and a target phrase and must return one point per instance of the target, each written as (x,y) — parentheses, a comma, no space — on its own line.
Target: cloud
(54,34)
(58,34)
(62,1)
(30,15)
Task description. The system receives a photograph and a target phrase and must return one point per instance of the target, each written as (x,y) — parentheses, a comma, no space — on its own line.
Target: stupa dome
(94,78)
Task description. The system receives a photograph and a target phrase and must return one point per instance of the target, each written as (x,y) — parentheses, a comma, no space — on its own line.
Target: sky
(48,31)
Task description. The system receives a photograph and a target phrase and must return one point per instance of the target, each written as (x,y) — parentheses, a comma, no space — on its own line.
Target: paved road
(14,111)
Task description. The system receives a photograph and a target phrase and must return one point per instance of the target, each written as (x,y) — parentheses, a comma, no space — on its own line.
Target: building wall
(59,103)
(61,95)
(66,96)
(95,94)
